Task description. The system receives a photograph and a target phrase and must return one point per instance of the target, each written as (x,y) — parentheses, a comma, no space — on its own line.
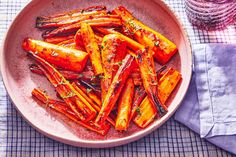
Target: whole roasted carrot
(145,113)
(66,91)
(164,49)
(113,52)
(69,18)
(124,106)
(66,58)
(115,89)
(62,108)
(96,20)
(149,77)
(92,48)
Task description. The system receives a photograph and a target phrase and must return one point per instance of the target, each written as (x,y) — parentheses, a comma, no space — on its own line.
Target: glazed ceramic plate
(19,81)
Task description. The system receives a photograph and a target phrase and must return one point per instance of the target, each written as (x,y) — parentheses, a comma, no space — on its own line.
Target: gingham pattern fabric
(18,138)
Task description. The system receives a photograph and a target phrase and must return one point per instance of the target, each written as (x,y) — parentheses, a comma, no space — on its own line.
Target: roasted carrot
(66,58)
(90,101)
(167,84)
(79,40)
(96,20)
(139,95)
(124,106)
(164,49)
(62,108)
(86,75)
(56,40)
(145,112)
(113,52)
(72,98)
(149,77)
(115,89)
(92,48)
(91,92)
(69,18)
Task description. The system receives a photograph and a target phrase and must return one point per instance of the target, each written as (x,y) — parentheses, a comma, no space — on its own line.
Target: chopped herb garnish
(71,94)
(100,76)
(88,90)
(156,43)
(54,54)
(81,75)
(93,77)
(138,111)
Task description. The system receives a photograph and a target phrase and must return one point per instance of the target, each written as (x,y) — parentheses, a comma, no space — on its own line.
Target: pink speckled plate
(19,82)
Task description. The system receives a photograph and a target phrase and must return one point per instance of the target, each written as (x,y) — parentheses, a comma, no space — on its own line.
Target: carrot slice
(96,20)
(113,52)
(68,18)
(124,106)
(115,89)
(66,58)
(92,48)
(149,77)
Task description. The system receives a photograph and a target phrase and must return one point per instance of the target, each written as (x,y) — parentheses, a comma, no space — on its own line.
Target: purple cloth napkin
(210,104)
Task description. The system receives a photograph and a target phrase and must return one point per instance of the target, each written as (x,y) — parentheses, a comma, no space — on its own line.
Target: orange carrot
(124,106)
(113,52)
(92,48)
(66,58)
(69,18)
(145,113)
(164,49)
(115,89)
(67,92)
(96,20)
(149,77)
(62,108)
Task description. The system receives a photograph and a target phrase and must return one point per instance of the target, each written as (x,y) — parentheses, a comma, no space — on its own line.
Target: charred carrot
(132,44)
(86,75)
(113,52)
(98,21)
(56,40)
(66,58)
(145,112)
(69,18)
(92,48)
(94,105)
(115,89)
(149,77)
(124,106)
(164,49)
(139,95)
(167,84)
(91,92)
(62,108)
(74,100)
(79,39)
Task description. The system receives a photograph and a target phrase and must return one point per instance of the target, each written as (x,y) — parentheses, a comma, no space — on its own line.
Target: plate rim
(96,143)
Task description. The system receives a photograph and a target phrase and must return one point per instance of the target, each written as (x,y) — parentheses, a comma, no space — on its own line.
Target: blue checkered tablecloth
(18,138)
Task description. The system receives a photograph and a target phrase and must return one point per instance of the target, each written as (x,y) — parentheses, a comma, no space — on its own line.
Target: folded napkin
(209,107)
